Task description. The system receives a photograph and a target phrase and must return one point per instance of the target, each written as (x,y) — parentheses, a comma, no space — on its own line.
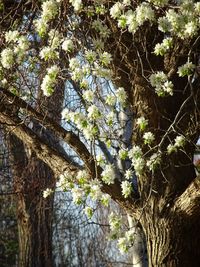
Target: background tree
(134,69)
(8,223)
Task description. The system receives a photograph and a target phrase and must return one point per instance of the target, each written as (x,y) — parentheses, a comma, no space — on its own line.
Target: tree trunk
(34,213)
(31,177)
(172,239)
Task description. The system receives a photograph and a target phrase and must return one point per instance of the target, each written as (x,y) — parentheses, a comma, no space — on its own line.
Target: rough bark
(31,177)
(34,214)
(172,237)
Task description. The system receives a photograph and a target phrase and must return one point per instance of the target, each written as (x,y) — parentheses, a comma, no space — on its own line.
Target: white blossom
(160,3)
(123,153)
(64,181)
(95,191)
(110,118)
(88,95)
(73,63)
(121,95)
(122,245)
(47,192)
(128,174)
(54,38)
(90,56)
(126,188)
(49,10)
(142,123)
(88,211)
(103,29)
(191,29)
(144,12)
(68,45)
(105,58)
(90,131)
(161,49)
(48,52)
(158,78)
(105,199)
(116,9)
(41,26)
(122,21)
(93,112)
(138,164)
(126,2)
(49,80)
(12,36)
(77,4)
(111,100)
(78,195)
(154,161)
(23,43)
(108,174)
(100,160)
(162,86)
(135,152)
(164,25)
(7,58)
(171,148)
(131,21)
(82,176)
(179,141)
(148,138)
(186,69)
(115,221)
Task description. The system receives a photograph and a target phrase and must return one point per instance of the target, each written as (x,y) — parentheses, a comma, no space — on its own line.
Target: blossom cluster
(138,162)
(49,12)
(126,188)
(16,50)
(186,70)
(162,86)
(162,48)
(182,22)
(125,242)
(49,80)
(108,174)
(178,143)
(132,19)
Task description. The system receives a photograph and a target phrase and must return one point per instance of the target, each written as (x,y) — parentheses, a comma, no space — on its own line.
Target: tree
(133,122)
(8,224)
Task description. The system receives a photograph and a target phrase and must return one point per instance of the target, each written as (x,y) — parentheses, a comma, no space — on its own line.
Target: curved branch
(69,137)
(53,158)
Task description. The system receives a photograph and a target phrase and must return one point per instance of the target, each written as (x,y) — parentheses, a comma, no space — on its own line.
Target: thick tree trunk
(172,239)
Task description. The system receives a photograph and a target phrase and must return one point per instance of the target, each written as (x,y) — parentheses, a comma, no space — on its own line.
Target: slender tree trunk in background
(31,177)
(34,214)
(139,250)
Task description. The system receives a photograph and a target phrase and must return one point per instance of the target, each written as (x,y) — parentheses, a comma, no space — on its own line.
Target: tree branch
(54,159)
(189,201)
(69,137)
